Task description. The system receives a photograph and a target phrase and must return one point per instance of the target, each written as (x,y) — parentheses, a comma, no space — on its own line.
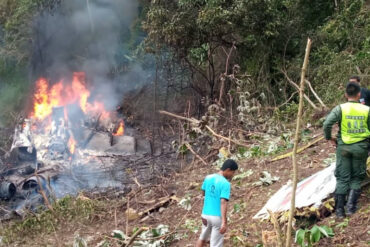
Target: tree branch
(315,94)
(297,87)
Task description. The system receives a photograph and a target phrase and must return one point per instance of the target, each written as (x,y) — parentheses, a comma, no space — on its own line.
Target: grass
(66,210)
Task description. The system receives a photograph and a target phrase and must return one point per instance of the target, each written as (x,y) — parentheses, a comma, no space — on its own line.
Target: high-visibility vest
(354,122)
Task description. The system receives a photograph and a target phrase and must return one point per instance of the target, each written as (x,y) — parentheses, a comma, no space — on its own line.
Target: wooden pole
(296,140)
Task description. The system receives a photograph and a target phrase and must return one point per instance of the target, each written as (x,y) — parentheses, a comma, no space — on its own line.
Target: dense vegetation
(239,51)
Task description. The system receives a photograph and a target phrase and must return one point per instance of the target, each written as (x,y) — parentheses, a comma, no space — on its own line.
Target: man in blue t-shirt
(216,188)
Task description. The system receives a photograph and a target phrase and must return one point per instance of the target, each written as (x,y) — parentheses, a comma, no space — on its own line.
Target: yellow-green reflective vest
(354,122)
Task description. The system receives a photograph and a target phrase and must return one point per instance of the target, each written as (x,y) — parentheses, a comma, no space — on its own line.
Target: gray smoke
(88,35)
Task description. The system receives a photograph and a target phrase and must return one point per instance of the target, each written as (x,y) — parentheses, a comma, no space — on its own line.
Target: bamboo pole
(296,139)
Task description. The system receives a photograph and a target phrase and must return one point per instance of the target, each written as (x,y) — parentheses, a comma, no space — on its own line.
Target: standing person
(352,145)
(365,93)
(216,188)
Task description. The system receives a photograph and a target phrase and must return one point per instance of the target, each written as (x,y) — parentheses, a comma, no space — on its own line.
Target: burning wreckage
(66,145)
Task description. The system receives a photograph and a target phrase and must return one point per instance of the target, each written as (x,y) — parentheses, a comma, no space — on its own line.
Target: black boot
(352,201)
(339,205)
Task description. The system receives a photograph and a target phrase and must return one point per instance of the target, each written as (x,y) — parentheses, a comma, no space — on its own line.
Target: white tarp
(310,191)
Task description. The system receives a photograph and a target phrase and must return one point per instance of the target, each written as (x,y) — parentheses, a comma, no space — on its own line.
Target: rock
(98,142)
(122,145)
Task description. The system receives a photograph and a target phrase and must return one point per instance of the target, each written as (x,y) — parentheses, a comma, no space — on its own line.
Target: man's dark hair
(229,164)
(352,89)
(355,77)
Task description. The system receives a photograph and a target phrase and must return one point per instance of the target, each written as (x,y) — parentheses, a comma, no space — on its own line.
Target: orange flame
(72,145)
(42,108)
(121,129)
(62,94)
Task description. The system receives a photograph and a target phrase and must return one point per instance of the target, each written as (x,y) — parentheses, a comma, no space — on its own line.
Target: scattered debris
(266,179)
(143,237)
(311,191)
(185,203)
(243,175)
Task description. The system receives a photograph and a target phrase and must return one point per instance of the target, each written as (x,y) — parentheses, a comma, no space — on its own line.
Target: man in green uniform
(352,145)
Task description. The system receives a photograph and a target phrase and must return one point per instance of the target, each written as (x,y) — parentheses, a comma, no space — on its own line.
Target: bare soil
(246,201)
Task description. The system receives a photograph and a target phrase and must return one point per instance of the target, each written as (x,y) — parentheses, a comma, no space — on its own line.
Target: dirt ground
(250,199)
(246,201)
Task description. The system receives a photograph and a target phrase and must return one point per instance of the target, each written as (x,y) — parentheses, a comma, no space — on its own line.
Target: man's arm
(333,117)
(223,215)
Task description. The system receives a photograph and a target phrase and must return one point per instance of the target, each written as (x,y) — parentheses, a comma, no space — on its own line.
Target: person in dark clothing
(352,139)
(365,93)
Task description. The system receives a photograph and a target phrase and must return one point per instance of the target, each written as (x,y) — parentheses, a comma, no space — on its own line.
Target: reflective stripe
(354,122)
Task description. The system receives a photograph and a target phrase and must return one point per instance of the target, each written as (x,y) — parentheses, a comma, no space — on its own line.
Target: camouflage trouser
(350,168)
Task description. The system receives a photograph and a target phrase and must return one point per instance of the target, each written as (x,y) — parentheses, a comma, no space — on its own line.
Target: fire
(79,86)
(42,108)
(61,94)
(72,145)
(121,129)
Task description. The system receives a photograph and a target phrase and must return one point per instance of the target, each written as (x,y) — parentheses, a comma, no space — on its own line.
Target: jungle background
(232,65)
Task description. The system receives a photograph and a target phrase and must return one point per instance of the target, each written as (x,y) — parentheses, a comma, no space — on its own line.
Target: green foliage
(266,33)
(14,86)
(341,226)
(16,19)
(341,49)
(148,237)
(66,209)
(306,238)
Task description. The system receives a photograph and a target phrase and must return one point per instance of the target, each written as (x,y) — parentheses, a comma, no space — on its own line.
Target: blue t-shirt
(216,187)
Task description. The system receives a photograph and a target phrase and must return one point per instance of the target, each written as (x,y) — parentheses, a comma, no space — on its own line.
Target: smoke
(89,36)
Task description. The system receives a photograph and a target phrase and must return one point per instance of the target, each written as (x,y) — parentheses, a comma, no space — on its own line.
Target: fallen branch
(159,204)
(196,155)
(192,120)
(315,94)
(283,156)
(225,138)
(153,201)
(297,87)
